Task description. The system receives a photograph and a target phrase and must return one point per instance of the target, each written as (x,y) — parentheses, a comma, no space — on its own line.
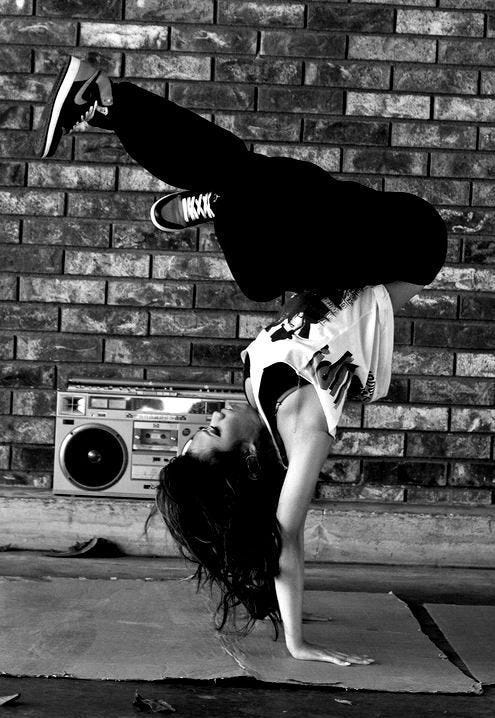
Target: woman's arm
(307,444)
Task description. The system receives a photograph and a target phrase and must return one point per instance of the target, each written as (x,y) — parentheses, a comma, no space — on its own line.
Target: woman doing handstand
(236,501)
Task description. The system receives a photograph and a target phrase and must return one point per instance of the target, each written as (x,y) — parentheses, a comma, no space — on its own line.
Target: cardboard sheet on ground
(377,625)
(149,630)
(470,630)
(120,630)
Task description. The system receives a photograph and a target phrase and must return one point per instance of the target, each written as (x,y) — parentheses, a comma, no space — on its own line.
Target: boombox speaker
(113,440)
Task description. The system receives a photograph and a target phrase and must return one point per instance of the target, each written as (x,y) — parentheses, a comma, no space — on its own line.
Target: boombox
(113,439)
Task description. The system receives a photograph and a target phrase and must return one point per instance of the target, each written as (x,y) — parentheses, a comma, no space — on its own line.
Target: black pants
(283,224)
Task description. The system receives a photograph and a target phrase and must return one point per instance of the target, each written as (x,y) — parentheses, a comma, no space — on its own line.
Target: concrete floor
(50,698)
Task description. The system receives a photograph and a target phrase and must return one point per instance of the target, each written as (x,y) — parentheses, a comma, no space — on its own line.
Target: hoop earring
(253,465)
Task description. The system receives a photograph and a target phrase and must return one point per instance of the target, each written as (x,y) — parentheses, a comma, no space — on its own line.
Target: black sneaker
(183,209)
(80,90)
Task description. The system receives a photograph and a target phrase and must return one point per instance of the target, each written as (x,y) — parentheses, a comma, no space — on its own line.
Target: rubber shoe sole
(50,132)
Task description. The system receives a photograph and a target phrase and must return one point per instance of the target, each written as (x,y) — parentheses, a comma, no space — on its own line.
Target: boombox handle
(84,381)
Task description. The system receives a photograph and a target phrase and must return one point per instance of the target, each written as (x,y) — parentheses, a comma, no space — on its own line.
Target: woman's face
(237,424)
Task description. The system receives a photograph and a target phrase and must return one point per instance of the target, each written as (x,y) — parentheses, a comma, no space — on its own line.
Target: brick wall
(395,95)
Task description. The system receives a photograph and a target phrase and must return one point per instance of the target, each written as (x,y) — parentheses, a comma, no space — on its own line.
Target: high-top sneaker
(183,209)
(80,91)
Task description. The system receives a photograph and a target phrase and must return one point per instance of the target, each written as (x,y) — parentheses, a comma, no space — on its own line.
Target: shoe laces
(82,123)
(198,206)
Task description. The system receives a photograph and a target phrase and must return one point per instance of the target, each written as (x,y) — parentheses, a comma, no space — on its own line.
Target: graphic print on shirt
(334,377)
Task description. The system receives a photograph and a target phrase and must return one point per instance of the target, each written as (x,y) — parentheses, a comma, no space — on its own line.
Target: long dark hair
(221,511)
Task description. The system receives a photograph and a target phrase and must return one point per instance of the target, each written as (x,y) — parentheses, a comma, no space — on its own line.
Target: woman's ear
(253,466)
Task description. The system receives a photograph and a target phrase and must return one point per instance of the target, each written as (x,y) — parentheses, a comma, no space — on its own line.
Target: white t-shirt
(353,343)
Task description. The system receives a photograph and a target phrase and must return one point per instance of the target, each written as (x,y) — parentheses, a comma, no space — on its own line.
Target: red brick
(388,105)
(368,443)
(340,471)
(189,374)
(276,128)
(138,179)
(251,324)
(405,472)
(405,417)
(452,391)
(6,347)
(259,70)
(8,287)
(261,14)
(415,361)
(30,31)
(120,373)
(473,419)
(191,267)
(477,307)
(58,175)
(347,74)
(4,457)
(221,40)
(436,22)
(12,173)
(427,304)
(16,7)
(22,479)
(118,206)
(34,403)
(49,60)
(460,108)
(483,194)
(26,374)
(473,474)
(228,296)
(31,202)
(171,67)
(170,11)
(103,320)
(466,52)
(297,43)
(136,37)
(350,19)
(466,278)
(212,96)
(385,161)
(470,497)
(103,147)
(459,334)
(436,79)
(28,458)
(469,221)
(435,191)
(225,355)
(346,132)
(147,351)
(31,430)
(148,293)
(24,87)
(47,289)
(9,230)
(83,233)
(305,100)
(143,235)
(487,83)
(42,260)
(476,365)
(61,347)
(110,9)
(399,49)
(382,494)
(193,323)
(15,59)
(28,316)
(14,117)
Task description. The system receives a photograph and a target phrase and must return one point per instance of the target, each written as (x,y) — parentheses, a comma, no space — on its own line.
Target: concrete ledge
(335,532)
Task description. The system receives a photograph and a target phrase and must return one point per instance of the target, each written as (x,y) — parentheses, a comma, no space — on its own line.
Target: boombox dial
(93,457)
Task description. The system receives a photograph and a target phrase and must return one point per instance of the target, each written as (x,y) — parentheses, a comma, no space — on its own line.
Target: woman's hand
(311,652)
